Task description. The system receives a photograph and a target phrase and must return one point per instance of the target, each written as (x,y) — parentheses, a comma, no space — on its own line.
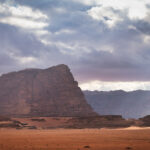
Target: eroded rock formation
(42,92)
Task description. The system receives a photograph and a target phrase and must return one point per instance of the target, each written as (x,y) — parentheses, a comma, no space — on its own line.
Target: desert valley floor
(75,139)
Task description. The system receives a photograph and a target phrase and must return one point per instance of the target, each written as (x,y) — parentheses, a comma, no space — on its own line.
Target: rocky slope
(108,121)
(69,122)
(133,104)
(42,92)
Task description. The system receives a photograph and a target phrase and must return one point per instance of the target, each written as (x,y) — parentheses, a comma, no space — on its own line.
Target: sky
(106,43)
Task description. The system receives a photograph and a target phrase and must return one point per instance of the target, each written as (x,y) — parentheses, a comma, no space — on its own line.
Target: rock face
(42,92)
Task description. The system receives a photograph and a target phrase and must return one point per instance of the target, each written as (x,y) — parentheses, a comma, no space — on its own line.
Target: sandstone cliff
(42,92)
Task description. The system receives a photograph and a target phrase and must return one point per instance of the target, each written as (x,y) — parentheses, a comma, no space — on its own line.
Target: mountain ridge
(120,102)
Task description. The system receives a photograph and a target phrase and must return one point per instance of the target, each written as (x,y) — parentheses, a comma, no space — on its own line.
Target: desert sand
(75,139)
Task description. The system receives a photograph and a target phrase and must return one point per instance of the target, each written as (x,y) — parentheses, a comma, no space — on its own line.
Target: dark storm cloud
(92,50)
(143,26)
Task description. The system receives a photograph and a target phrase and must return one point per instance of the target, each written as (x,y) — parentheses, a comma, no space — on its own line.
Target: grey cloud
(98,53)
(143,26)
(21,43)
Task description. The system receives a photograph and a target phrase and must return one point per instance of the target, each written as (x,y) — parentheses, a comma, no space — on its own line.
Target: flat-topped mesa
(42,92)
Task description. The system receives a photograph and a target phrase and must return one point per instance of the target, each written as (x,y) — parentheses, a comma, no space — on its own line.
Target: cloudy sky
(106,43)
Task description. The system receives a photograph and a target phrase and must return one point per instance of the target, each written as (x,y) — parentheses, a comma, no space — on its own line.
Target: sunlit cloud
(110,86)
(105,14)
(23,23)
(21,11)
(65,31)
(133,7)
(33,21)
(104,10)
(26,60)
(22,59)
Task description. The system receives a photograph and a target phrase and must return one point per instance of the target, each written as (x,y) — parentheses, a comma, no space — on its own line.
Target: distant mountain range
(133,104)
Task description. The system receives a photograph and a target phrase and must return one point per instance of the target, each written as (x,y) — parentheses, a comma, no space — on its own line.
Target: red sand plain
(75,139)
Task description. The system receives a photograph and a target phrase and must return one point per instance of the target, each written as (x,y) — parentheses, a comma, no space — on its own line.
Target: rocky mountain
(133,104)
(42,92)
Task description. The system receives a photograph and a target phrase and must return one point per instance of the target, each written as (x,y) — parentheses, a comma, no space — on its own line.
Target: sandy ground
(76,139)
